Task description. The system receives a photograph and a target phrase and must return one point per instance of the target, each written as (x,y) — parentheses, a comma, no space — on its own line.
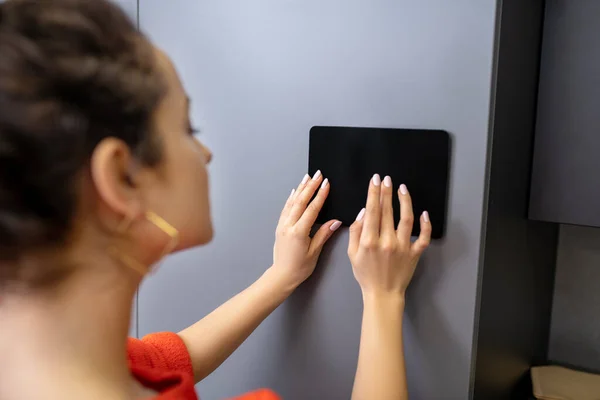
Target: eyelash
(193,131)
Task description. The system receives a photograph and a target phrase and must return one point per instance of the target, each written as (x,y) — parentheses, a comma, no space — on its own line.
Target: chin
(198,239)
(208,237)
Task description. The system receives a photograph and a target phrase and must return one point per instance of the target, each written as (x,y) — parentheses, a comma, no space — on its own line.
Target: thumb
(322,235)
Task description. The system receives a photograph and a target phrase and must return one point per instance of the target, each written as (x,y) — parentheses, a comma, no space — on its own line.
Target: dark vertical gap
(537,87)
(518,261)
(486,186)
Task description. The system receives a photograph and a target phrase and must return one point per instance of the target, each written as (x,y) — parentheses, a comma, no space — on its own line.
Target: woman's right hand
(383,257)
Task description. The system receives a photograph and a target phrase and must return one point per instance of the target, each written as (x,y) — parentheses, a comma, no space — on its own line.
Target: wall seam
(486,195)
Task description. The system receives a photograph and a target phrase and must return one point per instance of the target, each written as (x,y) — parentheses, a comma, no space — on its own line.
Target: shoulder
(165,350)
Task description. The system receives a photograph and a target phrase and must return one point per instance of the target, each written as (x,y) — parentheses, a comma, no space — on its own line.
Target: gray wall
(260,75)
(575,333)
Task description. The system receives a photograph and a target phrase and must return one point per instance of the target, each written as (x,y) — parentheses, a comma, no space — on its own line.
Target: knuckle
(421,246)
(389,246)
(369,244)
(408,220)
(295,232)
(312,208)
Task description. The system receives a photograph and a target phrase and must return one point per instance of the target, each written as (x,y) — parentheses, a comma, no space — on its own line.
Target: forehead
(175,96)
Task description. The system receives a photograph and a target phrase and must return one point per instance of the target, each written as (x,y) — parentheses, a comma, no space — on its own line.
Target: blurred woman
(101,176)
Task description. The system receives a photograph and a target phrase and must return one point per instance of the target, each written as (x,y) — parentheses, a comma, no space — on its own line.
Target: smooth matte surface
(518,254)
(575,334)
(349,156)
(565,184)
(262,73)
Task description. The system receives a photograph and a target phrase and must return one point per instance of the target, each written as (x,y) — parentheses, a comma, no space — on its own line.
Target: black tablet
(349,156)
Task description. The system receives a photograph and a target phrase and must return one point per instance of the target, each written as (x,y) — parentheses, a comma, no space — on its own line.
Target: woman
(100,178)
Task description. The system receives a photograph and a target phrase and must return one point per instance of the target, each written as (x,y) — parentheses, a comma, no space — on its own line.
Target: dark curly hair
(72,72)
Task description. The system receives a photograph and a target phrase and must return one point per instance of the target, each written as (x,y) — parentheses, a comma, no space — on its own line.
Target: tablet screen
(349,157)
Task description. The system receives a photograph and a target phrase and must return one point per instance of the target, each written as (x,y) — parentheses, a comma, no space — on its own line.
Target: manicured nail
(425,216)
(376,180)
(387,181)
(403,189)
(292,194)
(305,179)
(335,226)
(317,175)
(325,183)
(361,214)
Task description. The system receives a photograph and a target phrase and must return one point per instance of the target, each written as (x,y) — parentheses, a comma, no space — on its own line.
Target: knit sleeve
(263,394)
(165,351)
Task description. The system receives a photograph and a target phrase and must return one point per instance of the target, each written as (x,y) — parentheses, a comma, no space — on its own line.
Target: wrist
(395,300)
(279,283)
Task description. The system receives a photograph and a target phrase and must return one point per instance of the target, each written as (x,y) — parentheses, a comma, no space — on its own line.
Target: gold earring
(157,221)
(167,228)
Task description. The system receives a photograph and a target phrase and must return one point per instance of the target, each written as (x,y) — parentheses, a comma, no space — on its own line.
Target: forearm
(211,340)
(381,371)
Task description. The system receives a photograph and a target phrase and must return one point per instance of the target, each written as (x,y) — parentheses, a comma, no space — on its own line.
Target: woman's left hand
(295,253)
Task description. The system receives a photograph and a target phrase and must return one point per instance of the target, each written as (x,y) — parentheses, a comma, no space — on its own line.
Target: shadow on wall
(424,323)
(307,330)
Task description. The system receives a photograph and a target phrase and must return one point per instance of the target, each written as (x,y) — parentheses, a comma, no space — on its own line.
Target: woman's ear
(112,168)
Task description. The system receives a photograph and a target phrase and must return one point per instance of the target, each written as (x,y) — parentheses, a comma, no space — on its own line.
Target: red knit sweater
(161,362)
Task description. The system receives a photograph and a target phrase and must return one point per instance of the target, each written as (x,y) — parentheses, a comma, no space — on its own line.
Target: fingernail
(325,183)
(335,226)
(293,191)
(317,175)
(376,180)
(361,214)
(403,189)
(425,216)
(305,179)
(387,181)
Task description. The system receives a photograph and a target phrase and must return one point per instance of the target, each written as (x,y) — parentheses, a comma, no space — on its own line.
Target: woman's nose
(207,154)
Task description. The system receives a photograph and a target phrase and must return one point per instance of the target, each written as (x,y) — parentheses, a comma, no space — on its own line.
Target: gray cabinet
(565,186)
(260,74)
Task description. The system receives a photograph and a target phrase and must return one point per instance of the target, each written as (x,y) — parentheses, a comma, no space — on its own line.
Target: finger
(301,199)
(322,236)
(387,210)
(407,218)
(301,186)
(292,197)
(288,205)
(373,213)
(355,232)
(424,239)
(308,218)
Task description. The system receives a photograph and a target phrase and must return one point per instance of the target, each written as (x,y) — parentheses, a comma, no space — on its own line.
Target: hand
(295,253)
(383,258)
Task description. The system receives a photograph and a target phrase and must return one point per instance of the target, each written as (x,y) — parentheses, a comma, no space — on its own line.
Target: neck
(70,342)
